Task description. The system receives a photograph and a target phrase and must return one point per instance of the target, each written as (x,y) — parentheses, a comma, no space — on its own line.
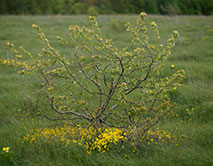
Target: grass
(193,53)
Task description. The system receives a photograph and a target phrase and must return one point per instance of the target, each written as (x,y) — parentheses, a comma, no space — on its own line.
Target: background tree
(106,6)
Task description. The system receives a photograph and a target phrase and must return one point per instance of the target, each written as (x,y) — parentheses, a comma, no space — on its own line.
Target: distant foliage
(79,8)
(170,7)
(92,11)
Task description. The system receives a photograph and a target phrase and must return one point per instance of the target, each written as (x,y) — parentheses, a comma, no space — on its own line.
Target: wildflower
(172,66)
(174,88)
(6,149)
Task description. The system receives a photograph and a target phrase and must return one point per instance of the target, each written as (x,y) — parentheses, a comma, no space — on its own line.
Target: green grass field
(193,53)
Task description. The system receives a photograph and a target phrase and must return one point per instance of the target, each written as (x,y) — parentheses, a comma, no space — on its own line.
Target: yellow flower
(172,66)
(174,88)
(6,149)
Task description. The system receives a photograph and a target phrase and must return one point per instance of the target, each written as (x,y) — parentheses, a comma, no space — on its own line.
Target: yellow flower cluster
(158,136)
(189,113)
(6,149)
(90,138)
(107,138)
(101,140)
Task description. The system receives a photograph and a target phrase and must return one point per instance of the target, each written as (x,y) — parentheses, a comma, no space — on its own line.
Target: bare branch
(144,79)
(66,112)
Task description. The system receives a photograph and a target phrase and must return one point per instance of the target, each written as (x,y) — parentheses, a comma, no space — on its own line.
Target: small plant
(189,113)
(100,85)
(6,155)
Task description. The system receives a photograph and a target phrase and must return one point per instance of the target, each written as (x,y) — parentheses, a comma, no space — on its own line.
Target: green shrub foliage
(99,84)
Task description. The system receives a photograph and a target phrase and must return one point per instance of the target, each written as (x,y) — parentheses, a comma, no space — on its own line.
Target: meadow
(193,53)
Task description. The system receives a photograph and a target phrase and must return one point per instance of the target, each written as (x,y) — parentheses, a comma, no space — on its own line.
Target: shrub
(99,85)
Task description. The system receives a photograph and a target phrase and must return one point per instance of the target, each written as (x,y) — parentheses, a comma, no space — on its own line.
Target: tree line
(94,7)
